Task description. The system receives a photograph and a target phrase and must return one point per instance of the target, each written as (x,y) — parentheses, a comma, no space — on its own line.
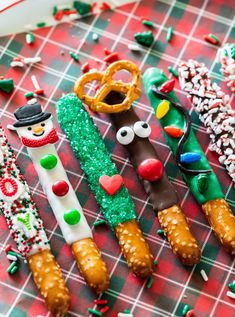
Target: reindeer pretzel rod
(35,128)
(27,230)
(214,111)
(104,181)
(190,158)
(134,133)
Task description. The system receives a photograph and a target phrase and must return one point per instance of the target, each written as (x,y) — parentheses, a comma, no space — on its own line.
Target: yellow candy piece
(162,109)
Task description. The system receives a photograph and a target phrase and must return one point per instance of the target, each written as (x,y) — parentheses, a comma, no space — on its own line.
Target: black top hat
(29,115)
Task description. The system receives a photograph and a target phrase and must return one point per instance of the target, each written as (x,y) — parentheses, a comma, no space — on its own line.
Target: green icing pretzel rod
(105,182)
(190,158)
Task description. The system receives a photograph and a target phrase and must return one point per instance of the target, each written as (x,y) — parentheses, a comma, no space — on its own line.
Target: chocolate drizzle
(184,137)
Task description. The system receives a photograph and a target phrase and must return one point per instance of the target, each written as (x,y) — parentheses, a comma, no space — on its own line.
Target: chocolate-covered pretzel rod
(26,228)
(36,131)
(190,158)
(134,134)
(214,110)
(105,182)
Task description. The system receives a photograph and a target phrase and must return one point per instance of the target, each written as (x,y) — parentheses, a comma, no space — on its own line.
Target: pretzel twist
(130,90)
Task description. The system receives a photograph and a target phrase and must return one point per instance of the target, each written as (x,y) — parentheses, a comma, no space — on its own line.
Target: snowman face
(36,131)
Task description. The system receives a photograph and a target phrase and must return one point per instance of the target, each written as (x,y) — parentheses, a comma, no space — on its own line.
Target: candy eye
(142,129)
(125,135)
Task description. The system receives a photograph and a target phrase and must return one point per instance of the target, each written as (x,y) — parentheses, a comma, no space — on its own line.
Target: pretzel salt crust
(27,230)
(117,207)
(97,103)
(35,128)
(162,194)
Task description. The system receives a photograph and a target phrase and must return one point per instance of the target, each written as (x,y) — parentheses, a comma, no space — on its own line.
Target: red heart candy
(111,184)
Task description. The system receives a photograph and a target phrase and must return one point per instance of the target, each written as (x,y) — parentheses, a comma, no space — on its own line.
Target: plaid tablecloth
(174,285)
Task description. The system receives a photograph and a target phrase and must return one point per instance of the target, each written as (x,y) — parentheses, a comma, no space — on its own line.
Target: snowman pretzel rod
(105,182)
(133,134)
(214,110)
(36,131)
(26,228)
(190,158)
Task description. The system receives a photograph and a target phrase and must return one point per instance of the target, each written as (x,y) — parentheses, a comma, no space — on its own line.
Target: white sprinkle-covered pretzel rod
(227,59)
(26,228)
(36,131)
(214,110)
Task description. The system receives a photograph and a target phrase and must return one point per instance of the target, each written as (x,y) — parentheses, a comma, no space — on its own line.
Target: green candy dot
(72,216)
(48,161)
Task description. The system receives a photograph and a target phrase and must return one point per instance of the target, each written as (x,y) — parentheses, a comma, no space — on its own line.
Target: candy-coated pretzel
(131,90)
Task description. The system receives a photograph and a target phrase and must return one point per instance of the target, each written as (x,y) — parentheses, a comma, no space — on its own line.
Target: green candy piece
(7,85)
(231,286)
(82,7)
(72,216)
(48,161)
(144,38)
(203,190)
(95,159)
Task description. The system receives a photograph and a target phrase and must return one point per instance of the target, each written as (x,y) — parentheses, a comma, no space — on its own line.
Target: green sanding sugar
(95,159)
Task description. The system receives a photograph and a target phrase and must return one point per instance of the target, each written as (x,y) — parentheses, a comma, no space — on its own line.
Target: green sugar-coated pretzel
(203,185)
(86,140)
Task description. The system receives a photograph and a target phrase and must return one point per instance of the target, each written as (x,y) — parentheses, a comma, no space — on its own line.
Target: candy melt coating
(48,161)
(72,216)
(85,139)
(155,77)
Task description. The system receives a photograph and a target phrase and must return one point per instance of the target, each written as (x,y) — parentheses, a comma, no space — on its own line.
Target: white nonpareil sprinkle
(11,257)
(204,275)
(32,101)
(35,82)
(95,37)
(134,47)
(124,315)
(17,64)
(230,294)
(32,60)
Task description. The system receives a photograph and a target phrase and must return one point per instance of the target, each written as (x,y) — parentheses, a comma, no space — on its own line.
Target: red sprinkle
(107,51)
(190,313)
(94,4)
(100,301)
(59,15)
(85,67)
(68,12)
(39,91)
(104,310)
(105,6)
(167,86)
(209,39)
(8,248)
(111,58)
(17,59)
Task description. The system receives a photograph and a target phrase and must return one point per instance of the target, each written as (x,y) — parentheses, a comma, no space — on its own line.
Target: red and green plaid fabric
(174,285)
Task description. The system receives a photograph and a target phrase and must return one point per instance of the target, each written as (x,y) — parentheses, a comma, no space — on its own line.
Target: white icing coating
(60,205)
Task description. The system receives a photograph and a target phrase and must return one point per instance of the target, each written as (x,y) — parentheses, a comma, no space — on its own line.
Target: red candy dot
(60,188)
(151,169)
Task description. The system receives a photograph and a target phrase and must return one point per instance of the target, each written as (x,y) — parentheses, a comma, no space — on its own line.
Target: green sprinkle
(29,94)
(148,23)
(14,269)
(81,7)
(144,38)
(14,263)
(12,253)
(30,38)
(231,286)
(169,33)
(150,282)
(6,85)
(214,37)
(99,222)
(185,310)
(127,311)
(233,51)
(155,262)
(173,71)
(41,24)
(55,10)
(94,312)
(74,56)
(161,233)
(95,159)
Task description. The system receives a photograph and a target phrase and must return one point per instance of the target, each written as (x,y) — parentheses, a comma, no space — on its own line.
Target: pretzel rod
(227,59)
(35,129)
(105,182)
(214,111)
(134,134)
(27,230)
(197,174)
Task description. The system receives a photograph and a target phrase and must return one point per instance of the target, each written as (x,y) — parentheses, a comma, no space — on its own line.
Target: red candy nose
(151,170)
